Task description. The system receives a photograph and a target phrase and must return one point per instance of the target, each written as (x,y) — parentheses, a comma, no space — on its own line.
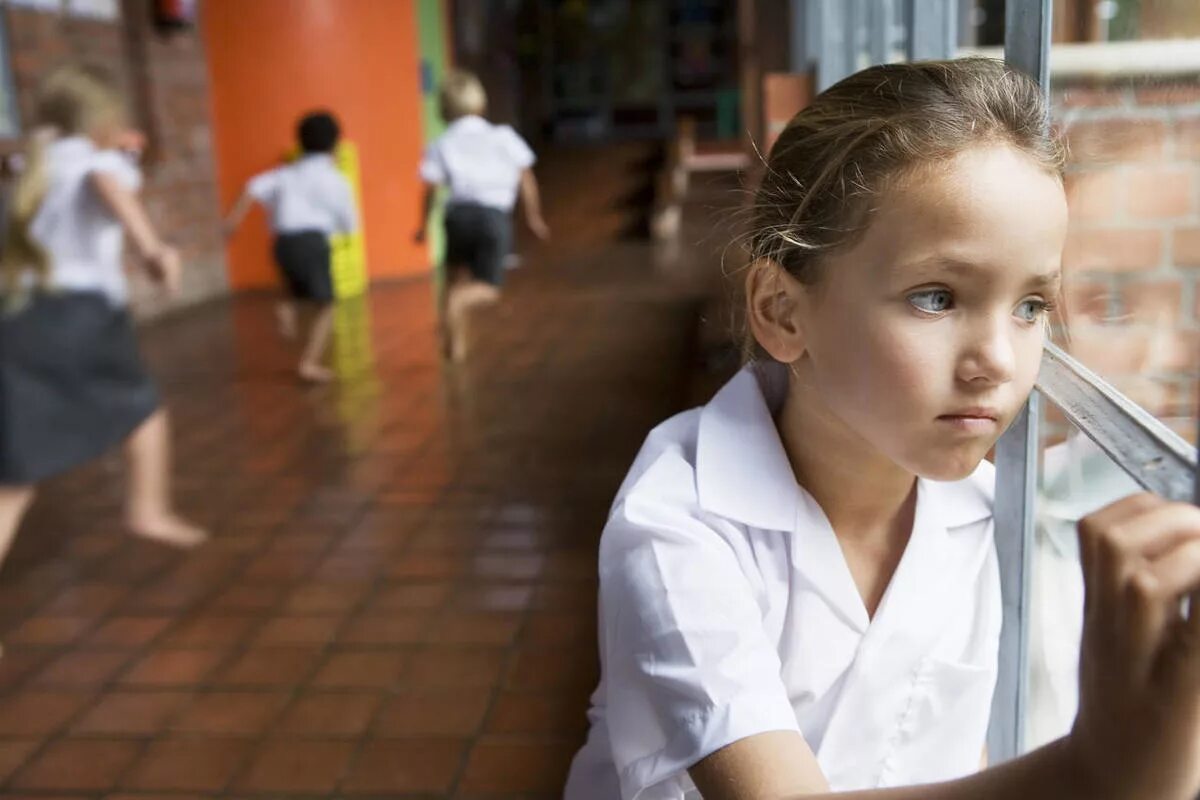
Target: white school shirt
(728,610)
(83,241)
(310,194)
(479,162)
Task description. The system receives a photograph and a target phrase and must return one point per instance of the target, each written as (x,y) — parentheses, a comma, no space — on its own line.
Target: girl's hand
(166,267)
(1138,729)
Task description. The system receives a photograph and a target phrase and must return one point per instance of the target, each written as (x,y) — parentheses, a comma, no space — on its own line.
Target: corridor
(399,596)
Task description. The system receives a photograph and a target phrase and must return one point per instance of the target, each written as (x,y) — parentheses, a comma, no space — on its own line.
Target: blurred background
(399,596)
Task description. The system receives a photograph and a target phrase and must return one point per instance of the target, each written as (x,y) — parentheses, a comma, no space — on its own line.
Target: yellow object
(349,259)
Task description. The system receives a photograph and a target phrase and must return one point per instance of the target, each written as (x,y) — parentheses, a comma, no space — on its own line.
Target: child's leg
(464,295)
(148,505)
(14,501)
(285,316)
(312,367)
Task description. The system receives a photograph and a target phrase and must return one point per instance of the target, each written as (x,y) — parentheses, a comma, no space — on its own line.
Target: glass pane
(1076,479)
(1126,96)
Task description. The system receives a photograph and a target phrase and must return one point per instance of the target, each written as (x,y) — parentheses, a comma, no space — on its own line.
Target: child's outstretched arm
(531,201)
(163,261)
(427,201)
(1137,734)
(237,213)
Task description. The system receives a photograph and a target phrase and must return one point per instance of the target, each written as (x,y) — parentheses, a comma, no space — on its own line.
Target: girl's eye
(1032,309)
(932,301)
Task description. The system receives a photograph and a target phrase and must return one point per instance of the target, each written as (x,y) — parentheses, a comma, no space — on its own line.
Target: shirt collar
(743,472)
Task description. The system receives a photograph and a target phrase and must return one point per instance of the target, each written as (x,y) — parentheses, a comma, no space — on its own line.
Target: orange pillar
(272,60)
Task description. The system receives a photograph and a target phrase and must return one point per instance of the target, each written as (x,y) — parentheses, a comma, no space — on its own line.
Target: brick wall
(1132,261)
(166,81)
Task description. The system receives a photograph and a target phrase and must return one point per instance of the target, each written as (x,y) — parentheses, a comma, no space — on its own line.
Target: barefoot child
(799,589)
(485,167)
(307,201)
(72,384)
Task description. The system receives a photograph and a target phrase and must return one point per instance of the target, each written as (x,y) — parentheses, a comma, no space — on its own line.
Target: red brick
(1160,193)
(1167,95)
(331,713)
(1117,140)
(14,753)
(174,667)
(1185,247)
(32,713)
(1187,139)
(231,713)
(530,714)
(83,668)
(1159,302)
(1113,249)
(1092,196)
(365,669)
(1090,97)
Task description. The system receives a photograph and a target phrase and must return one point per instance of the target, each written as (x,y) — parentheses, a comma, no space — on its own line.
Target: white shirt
(728,610)
(480,162)
(309,194)
(82,239)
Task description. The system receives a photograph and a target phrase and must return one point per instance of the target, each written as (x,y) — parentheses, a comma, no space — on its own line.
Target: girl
(485,166)
(71,382)
(799,591)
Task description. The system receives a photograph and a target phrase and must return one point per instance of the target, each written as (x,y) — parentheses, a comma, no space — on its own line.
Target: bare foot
(167,528)
(285,318)
(315,373)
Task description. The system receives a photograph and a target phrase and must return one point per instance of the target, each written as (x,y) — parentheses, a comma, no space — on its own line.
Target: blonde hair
(461,94)
(72,100)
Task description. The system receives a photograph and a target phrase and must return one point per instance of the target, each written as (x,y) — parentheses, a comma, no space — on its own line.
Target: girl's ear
(773,302)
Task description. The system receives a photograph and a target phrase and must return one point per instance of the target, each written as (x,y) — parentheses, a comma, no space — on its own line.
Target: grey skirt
(72,384)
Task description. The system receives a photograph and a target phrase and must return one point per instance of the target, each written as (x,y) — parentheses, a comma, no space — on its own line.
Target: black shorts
(305,263)
(478,238)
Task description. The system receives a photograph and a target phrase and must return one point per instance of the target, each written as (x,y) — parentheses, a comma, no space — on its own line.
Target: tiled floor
(399,597)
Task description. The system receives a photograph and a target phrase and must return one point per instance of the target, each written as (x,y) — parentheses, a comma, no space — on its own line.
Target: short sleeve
(688,666)
(432,170)
(264,186)
(119,165)
(516,148)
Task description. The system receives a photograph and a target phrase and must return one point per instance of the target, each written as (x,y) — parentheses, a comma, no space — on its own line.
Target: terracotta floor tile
(187,765)
(495,597)
(290,630)
(396,628)
(411,596)
(167,667)
(292,765)
(552,667)
(83,668)
(17,664)
(331,714)
(530,714)
(507,766)
(445,712)
(49,630)
(210,629)
(325,598)
(362,669)
(129,631)
(14,753)
(270,666)
(405,766)
(455,666)
(78,764)
(36,712)
(131,713)
(232,713)
(553,628)
(464,627)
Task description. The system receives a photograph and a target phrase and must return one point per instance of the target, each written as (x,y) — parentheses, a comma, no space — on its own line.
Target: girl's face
(924,338)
